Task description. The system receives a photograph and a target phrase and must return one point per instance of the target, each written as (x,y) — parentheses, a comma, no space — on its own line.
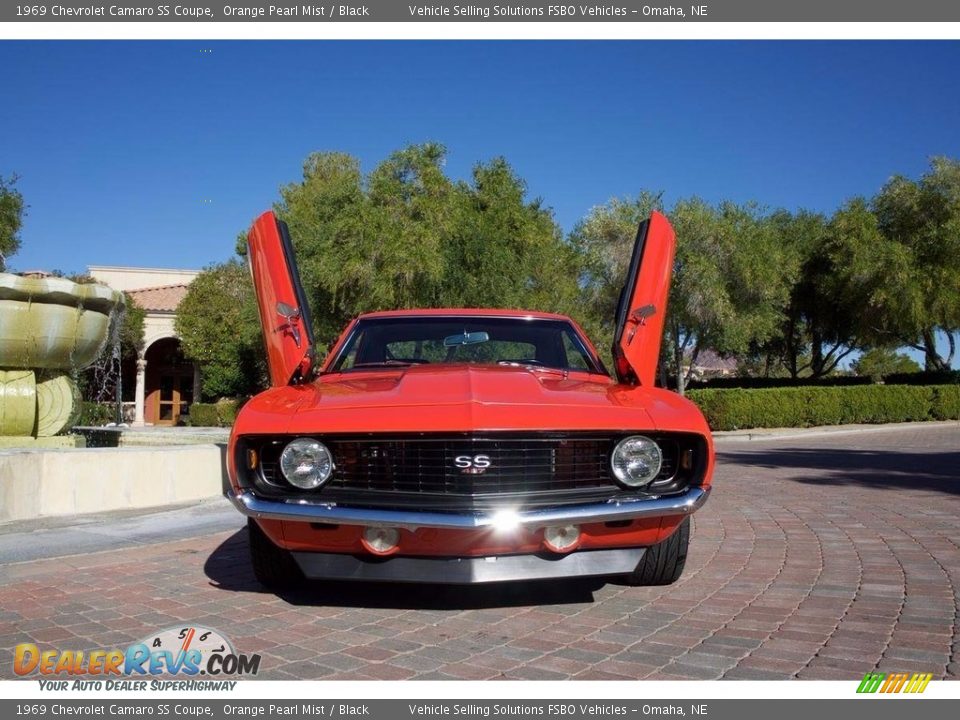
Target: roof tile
(165,298)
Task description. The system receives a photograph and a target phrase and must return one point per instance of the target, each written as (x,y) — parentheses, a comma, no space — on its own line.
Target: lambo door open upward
(642,309)
(284,313)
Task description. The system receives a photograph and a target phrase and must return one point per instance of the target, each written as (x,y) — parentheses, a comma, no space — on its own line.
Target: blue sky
(158,154)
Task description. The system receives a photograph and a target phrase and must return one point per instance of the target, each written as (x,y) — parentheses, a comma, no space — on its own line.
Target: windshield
(403,341)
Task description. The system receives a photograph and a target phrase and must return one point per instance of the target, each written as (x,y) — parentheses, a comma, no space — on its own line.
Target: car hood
(453,399)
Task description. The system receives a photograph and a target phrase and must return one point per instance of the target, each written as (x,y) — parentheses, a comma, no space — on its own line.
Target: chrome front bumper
(469,570)
(319,512)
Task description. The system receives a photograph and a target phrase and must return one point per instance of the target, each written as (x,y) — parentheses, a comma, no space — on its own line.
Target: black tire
(663,563)
(273,567)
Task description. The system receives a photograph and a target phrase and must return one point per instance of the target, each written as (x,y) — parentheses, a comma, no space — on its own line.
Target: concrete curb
(760,434)
(44,483)
(153,437)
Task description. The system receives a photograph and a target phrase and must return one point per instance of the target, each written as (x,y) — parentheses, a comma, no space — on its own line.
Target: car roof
(461,312)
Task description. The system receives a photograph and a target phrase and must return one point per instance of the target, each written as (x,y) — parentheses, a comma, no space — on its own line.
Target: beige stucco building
(165,382)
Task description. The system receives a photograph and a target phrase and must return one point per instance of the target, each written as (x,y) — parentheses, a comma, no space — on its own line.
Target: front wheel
(663,563)
(273,567)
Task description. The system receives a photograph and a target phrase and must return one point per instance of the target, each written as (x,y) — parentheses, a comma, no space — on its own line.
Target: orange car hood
(460,398)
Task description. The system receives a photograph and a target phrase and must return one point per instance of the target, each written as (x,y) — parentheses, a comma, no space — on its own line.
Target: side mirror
(290,314)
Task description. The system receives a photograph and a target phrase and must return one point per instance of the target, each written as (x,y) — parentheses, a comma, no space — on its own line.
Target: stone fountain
(49,329)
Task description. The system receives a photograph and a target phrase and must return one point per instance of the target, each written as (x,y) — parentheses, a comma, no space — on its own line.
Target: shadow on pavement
(877,469)
(228,568)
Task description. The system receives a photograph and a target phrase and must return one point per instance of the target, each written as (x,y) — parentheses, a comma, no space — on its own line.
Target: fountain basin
(49,329)
(52,323)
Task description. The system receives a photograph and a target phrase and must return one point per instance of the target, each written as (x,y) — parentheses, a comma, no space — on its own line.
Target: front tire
(662,564)
(273,567)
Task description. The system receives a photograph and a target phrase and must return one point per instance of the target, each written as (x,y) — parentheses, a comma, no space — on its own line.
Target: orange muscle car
(466,445)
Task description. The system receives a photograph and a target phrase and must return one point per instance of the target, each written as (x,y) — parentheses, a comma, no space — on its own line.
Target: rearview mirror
(466,338)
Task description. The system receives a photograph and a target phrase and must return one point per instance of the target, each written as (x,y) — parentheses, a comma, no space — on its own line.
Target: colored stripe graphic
(918,683)
(870,683)
(894,683)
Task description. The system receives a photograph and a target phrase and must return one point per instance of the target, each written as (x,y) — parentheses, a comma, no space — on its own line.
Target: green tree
(11,218)
(877,362)
(218,326)
(820,326)
(919,222)
(505,251)
(404,235)
(731,282)
(731,276)
(131,330)
(603,241)
(368,243)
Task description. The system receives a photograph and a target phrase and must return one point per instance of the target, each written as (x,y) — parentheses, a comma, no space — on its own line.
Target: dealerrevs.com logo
(178,651)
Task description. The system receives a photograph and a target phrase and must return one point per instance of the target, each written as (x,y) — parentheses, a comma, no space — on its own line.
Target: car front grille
(462,470)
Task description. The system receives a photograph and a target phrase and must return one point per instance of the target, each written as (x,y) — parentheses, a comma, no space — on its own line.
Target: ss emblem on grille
(472,465)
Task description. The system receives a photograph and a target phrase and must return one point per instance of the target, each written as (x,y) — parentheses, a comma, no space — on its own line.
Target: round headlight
(636,461)
(306,463)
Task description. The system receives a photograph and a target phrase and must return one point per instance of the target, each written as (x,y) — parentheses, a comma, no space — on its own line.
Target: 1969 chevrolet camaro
(466,446)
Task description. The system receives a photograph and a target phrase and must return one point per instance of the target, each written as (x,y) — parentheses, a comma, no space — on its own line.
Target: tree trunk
(932,360)
(816,355)
(693,361)
(792,346)
(664,362)
(678,360)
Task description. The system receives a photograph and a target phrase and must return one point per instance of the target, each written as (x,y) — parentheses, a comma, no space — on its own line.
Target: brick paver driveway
(816,558)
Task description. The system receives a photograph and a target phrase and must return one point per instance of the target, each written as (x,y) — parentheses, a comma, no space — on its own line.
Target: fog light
(380,540)
(561,538)
(505,521)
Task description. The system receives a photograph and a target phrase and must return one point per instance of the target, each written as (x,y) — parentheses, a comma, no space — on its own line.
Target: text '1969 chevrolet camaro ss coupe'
(466,445)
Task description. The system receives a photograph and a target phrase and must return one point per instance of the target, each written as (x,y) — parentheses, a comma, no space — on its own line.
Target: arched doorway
(168,383)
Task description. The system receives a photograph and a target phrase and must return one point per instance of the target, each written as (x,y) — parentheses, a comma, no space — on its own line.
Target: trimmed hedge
(946,402)
(945,377)
(769,382)
(222,413)
(227,411)
(933,377)
(737,409)
(203,415)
